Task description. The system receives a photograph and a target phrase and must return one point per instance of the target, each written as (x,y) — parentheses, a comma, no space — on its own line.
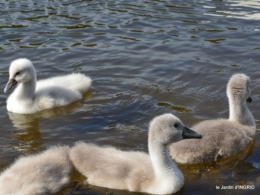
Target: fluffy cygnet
(154,173)
(221,137)
(31,96)
(42,174)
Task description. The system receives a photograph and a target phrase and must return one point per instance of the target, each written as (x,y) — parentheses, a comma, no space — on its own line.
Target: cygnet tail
(75,81)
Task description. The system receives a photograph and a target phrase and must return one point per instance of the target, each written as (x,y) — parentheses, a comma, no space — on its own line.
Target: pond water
(145,58)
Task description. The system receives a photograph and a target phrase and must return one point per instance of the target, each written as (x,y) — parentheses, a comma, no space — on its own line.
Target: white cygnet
(42,174)
(31,96)
(153,173)
(221,137)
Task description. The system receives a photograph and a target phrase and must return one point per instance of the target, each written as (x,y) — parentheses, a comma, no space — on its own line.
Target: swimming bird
(153,173)
(221,137)
(42,174)
(31,96)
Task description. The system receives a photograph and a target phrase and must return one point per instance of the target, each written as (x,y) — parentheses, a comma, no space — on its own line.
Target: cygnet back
(42,174)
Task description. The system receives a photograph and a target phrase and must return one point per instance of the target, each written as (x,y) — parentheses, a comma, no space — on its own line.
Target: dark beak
(249,100)
(188,133)
(11,83)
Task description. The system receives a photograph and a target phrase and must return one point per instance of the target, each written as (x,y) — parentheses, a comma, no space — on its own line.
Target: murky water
(145,58)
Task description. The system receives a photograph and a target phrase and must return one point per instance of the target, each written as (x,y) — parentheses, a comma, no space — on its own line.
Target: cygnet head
(168,129)
(20,71)
(238,88)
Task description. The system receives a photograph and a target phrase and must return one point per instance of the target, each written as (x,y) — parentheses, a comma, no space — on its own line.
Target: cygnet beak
(188,133)
(249,100)
(11,83)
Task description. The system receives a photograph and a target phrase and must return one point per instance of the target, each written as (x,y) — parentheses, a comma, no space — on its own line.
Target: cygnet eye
(176,125)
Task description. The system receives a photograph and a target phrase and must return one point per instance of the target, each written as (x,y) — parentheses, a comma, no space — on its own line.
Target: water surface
(145,58)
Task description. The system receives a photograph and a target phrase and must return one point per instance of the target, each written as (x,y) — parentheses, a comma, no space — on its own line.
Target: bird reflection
(28,127)
(27,132)
(218,169)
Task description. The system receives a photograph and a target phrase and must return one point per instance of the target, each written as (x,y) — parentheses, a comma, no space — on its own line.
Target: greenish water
(145,58)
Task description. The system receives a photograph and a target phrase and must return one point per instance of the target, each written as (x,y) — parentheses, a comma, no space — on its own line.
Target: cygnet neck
(27,89)
(167,174)
(239,112)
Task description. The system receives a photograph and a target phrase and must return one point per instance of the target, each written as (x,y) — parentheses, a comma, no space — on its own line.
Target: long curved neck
(239,112)
(167,175)
(26,90)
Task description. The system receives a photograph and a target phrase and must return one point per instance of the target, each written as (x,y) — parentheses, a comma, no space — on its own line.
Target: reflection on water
(145,58)
(225,172)
(28,126)
(27,132)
